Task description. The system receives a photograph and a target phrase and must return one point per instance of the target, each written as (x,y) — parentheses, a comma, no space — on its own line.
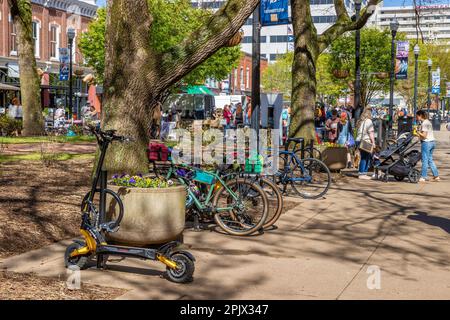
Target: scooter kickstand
(196,227)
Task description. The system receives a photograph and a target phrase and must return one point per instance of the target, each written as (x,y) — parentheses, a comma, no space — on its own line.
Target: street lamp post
(394,27)
(70,37)
(357,100)
(416,73)
(430,64)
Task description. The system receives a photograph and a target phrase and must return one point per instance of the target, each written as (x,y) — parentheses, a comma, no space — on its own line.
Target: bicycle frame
(203,206)
(292,156)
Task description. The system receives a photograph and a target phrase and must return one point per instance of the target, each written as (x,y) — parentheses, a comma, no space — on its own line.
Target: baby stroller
(399,160)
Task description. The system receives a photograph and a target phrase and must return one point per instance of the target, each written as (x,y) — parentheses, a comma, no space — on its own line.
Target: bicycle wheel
(314,179)
(249,212)
(275,199)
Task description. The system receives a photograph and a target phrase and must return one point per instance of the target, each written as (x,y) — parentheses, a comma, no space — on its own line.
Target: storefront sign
(64,61)
(401,61)
(274,12)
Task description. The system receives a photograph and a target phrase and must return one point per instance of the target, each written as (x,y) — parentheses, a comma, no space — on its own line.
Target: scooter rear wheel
(80,261)
(185,271)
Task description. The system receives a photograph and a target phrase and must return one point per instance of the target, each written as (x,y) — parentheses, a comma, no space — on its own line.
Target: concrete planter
(151,216)
(335,158)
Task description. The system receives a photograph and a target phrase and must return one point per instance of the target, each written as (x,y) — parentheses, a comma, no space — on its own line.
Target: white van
(221,101)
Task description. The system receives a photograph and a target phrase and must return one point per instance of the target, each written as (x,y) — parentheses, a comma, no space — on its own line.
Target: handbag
(350,141)
(364,145)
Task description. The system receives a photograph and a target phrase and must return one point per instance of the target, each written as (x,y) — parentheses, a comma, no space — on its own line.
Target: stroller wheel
(399,178)
(414,176)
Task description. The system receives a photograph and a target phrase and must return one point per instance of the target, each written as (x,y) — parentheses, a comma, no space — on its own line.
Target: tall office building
(434,21)
(277,40)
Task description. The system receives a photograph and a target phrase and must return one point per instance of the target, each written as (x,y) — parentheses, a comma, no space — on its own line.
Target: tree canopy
(375,60)
(172,22)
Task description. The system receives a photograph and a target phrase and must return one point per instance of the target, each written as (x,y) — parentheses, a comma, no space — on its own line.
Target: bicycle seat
(296,140)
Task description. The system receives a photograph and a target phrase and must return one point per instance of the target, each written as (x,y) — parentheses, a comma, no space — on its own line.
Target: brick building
(51,21)
(241,77)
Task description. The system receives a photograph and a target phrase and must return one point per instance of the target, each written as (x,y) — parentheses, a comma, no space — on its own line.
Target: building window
(235,78)
(247,82)
(36,38)
(13,43)
(242,78)
(324,19)
(273,56)
(278,39)
(54,42)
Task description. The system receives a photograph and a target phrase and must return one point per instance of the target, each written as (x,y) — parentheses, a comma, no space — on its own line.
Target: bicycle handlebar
(108,135)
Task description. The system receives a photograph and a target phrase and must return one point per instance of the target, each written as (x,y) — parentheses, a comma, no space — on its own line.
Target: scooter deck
(143,253)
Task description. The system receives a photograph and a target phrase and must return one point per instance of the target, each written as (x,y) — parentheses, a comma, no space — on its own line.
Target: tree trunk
(30,88)
(303,71)
(308,46)
(137,77)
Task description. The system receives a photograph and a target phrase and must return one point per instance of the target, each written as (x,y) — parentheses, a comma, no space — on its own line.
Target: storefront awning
(4,86)
(199,90)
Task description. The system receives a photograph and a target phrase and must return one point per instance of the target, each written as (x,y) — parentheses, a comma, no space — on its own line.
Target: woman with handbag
(366,143)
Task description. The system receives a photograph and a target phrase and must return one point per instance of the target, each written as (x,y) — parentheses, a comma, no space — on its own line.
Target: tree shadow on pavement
(435,221)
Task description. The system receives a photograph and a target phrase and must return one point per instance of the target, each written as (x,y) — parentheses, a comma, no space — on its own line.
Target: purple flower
(132,180)
(116,176)
(140,175)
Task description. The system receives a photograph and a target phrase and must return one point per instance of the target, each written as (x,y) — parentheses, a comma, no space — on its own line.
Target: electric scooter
(179,264)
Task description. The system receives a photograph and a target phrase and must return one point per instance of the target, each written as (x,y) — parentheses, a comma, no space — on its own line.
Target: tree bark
(30,88)
(303,71)
(308,47)
(137,77)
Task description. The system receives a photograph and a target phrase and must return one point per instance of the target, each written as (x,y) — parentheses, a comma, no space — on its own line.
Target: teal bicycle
(239,207)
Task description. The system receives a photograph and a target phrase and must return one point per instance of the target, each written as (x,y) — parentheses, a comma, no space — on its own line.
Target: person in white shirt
(426,136)
(13,108)
(366,132)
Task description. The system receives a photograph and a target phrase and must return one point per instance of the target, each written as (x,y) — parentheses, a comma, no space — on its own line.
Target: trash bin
(436,122)
(405,124)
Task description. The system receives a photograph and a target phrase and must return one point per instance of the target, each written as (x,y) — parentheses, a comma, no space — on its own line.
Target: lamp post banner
(436,82)
(401,61)
(448,89)
(64,64)
(274,12)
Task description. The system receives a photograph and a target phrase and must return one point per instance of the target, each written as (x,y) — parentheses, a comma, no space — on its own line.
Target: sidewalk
(321,250)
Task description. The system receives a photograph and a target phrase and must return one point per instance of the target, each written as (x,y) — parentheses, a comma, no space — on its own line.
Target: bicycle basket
(254,164)
(204,177)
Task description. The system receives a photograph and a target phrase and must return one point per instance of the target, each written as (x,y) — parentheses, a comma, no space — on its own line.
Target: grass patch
(37,156)
(58,139)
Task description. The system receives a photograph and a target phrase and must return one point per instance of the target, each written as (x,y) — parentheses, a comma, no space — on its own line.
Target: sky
(395,3)
(387,3)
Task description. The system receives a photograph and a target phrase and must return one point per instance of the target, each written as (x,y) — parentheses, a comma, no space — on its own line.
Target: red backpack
(158,152)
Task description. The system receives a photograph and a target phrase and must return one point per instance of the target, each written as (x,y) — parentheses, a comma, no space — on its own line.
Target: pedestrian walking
(332,127)
(426,136)
(227,116)
(346,136)
(365,142)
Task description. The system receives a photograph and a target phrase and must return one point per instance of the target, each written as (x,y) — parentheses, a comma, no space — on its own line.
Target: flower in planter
(140,181)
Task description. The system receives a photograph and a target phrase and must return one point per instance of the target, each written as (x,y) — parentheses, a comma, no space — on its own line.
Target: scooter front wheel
(184,271)
(80,262)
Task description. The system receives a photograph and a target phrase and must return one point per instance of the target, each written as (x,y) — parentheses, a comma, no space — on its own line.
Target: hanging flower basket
(236,39)
(78,72)
(341,74)
(407,86)
(382,75)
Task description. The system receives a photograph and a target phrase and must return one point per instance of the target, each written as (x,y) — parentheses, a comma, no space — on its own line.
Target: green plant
(78,130)
(8,126)
(140,182)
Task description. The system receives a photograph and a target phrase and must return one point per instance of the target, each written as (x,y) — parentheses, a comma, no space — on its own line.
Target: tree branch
(344,23)
(206,40)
